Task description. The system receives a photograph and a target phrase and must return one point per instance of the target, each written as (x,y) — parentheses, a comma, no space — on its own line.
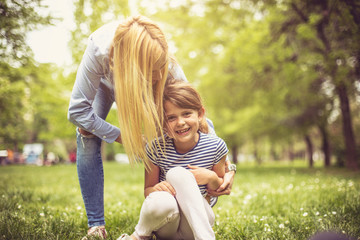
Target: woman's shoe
(97,231)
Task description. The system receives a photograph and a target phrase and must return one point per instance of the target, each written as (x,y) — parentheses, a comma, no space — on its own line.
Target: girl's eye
(170,119)
(187,114)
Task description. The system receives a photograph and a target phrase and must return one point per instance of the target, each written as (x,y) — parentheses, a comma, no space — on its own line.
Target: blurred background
(280,78)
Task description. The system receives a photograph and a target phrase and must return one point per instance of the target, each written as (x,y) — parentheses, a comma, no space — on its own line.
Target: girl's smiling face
(182,124)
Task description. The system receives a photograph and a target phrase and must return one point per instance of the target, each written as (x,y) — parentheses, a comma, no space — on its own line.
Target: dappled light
(280,81)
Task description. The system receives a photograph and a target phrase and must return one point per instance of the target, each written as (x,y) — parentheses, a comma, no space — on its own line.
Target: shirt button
(104,137)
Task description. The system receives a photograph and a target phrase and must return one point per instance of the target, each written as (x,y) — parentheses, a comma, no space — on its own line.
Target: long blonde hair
(139,51)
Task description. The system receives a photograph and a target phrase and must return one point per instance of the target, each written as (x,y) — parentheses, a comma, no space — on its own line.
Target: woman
(127,63)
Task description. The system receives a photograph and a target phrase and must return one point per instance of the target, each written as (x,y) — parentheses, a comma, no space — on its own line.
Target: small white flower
(305,214)
(317,213)
(19,206)
(301,209)
(281,225)
(78,208)
(42,214)
(319,219)
(287,222)
(334,213)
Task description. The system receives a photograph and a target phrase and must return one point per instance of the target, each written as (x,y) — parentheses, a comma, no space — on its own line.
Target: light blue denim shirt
(93,69)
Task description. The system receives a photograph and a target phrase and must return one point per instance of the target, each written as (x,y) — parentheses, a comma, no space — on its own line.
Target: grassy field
(274,201)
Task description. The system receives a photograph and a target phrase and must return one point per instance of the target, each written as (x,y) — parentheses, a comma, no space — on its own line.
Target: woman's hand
(164,186)
(85,133)
(118,139)
(225,187)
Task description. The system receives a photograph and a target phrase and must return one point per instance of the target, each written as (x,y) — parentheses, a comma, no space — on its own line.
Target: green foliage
(282,201)
(265,68)
(16,19)
(34,106)
(31,99)
(11,105)
(90,15)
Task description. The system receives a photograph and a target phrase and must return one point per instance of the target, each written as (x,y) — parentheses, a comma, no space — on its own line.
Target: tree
(89,16)
(16,19)
(335,27)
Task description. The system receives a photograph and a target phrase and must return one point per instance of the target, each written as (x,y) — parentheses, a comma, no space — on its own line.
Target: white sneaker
(97,231)
(124,237)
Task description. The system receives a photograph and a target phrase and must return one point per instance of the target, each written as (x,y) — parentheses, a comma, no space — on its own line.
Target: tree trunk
(291,152)
(325,145)
(273,153)
(234,151)
(309,148)
(350,145)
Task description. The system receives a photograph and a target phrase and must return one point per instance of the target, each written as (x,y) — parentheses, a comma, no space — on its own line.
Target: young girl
(182,168)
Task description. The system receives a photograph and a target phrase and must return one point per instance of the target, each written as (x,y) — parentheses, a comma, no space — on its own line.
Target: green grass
(274,201)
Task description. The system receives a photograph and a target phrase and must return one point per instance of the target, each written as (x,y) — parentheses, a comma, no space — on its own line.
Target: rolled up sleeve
(81,112)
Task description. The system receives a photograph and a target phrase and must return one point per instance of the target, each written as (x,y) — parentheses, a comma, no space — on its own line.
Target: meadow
(272,201)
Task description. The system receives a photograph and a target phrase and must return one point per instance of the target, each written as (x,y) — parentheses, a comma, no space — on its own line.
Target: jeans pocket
(83,135)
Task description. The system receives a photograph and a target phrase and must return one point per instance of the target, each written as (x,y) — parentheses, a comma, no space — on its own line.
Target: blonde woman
(128,63)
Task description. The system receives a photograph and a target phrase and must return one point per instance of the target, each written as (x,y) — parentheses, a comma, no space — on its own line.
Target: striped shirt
(208,151)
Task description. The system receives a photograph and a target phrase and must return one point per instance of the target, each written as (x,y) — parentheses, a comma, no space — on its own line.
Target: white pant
(187,216)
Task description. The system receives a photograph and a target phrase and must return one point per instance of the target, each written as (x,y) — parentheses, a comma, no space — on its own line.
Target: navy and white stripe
(208,152)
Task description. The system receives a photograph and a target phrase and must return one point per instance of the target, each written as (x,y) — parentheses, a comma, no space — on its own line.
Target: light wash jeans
(89,162)
(186,216)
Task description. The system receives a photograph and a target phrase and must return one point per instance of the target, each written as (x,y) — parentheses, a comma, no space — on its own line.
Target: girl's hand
(202,175)
(165,186)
